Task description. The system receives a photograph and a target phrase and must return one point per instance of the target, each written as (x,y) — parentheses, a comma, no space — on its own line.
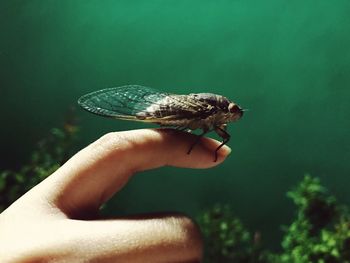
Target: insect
(205,111)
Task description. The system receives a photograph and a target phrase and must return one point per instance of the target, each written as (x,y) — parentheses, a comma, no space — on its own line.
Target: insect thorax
(194,111)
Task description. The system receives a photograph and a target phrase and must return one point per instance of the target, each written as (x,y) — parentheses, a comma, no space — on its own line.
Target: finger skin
(94,174)
(160,239)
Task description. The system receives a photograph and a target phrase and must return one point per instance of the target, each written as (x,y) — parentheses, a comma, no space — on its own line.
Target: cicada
(205,111)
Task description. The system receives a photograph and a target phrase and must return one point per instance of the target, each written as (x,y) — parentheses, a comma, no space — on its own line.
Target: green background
(287,61)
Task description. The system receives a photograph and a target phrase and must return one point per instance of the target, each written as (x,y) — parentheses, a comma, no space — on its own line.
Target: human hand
(57,220)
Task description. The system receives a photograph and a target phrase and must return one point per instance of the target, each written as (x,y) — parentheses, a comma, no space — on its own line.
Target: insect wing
(124,102)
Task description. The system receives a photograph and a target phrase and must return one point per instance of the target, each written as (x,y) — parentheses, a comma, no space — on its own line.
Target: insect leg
(225,138)
(197,140)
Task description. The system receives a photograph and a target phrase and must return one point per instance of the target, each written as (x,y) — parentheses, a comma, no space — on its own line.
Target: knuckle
(192,233)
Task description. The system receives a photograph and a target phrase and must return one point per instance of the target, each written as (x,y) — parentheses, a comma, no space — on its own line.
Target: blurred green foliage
(51,152)
(226,238)
(320,231)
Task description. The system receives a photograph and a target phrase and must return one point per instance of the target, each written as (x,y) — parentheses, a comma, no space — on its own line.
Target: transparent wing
(139,103)
(121,102)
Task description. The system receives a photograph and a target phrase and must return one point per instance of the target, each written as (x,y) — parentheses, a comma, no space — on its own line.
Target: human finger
(94,174)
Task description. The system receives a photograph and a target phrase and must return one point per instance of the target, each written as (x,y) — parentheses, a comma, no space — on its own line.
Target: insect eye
(233,108)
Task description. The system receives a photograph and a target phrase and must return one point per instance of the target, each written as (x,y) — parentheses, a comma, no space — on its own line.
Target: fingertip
(211,146)
(175,145)
(226,150)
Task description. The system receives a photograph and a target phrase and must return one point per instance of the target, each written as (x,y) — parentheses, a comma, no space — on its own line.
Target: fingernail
(224,151)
